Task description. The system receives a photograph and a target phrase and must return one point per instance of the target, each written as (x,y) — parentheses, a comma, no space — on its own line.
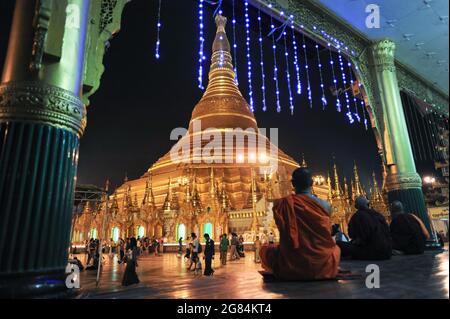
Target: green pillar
(402,182)
(42,119)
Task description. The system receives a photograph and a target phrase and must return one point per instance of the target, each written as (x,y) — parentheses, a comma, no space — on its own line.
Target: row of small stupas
(136,215)
(173,199)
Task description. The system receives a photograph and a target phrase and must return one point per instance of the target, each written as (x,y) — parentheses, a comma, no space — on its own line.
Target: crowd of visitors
(309,247)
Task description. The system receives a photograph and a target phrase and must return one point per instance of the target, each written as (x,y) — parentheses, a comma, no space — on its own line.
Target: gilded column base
(407,188)
(403,181)
(40,126)
(38,102)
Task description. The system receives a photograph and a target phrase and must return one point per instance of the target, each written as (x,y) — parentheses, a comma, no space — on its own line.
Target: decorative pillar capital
(384,55)
(42,103)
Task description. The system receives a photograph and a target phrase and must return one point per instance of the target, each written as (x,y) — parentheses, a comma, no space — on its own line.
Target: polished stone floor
(425,276)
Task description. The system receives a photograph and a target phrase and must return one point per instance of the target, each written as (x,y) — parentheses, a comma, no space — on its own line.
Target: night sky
(141,99)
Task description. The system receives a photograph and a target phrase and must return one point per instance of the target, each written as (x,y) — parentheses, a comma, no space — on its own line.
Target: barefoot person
(306,250)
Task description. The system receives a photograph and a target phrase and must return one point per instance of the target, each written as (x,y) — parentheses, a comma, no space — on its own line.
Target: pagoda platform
(425,276)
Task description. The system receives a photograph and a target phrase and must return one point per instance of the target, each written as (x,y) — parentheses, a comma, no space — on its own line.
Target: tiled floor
(425,276)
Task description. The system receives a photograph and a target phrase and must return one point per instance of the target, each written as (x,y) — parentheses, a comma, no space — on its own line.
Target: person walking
(195,250)
(130,276)
(209,255)
(121,250)
(224,243)
(188,248)
(234,244)
(257,245)
(180,246)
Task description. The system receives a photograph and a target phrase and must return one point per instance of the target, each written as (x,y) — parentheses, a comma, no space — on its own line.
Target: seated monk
(307,250)
(369,233)
(408,232)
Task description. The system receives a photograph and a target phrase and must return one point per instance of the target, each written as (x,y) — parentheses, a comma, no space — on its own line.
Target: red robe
(307,250)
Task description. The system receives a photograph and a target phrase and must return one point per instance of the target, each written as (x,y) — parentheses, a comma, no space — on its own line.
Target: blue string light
(158,31)
(363,106)
(296,60)
(307,72)
(323,99)
(218,8)
(362,103)
(249,62)
(202,42)
(288,74)
(356,113)
(275,67)
(338,101)
(263,75)
(233,22)
(344,81)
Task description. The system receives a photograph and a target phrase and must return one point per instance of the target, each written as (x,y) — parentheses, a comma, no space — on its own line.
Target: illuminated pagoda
(230,189)
(227,191)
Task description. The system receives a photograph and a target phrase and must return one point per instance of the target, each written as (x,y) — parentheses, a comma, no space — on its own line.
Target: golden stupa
(212,187)
(209,183)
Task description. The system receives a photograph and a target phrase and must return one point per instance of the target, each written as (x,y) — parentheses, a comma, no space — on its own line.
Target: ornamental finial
(221,22)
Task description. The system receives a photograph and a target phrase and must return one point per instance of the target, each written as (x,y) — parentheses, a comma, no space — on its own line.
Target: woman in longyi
(306,250)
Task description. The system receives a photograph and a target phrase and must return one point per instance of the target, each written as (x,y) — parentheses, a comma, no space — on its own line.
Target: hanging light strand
(288,74)
(362,102)
(323,99)
(338,101)
(263,74)
(275,66)
(296,60)
(233,22)
(249,60)
(202,42)
(158,32)
(355,103)
(344,82)
(307,72)
(363,107)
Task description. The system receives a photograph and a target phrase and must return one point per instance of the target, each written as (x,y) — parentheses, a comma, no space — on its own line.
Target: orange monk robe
(307,251)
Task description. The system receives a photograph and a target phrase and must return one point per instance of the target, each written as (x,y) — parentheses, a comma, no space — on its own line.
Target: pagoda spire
(346,190)
(188,194)
(221,74)
(196,203)
(376,194)
(114,205)
(255,223)
(330,188)
(337,185)
(303,164)
(168,201)
(359,191)
(223,195)
(149,198)
(212,186)
(135,203)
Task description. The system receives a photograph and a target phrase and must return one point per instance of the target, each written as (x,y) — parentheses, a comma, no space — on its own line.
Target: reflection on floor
(425,276)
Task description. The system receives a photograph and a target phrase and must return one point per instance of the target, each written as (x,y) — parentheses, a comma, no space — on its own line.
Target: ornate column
(402,182)
(53,63)
(41,121)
